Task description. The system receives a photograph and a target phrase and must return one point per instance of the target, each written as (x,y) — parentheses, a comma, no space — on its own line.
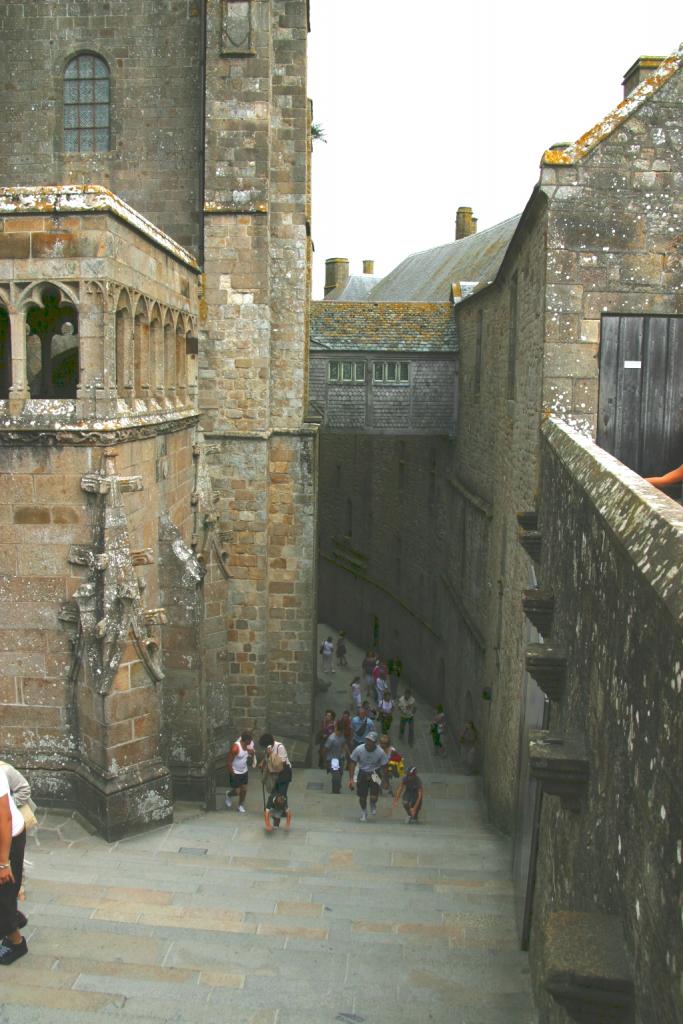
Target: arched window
(52,343)
(86,105)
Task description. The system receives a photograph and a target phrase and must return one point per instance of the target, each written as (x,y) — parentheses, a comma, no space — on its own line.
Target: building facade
(158,472)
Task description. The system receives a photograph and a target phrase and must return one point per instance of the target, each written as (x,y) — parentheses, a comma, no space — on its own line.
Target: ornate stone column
(18,392)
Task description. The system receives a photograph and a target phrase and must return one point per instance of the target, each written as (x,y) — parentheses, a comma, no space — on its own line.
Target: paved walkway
(211,920)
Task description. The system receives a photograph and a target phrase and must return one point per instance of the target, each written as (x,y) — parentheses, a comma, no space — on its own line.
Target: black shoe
(10,953)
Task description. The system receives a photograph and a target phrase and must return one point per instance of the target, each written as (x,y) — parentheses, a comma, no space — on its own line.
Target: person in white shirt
(12,846)
(327,650)
(365,763)
(242,754)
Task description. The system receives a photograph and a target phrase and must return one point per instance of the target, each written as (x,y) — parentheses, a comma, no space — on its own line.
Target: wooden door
(641,391)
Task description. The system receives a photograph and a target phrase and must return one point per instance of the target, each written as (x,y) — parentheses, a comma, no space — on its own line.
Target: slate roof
(383,327)
(429,276)
(354,289)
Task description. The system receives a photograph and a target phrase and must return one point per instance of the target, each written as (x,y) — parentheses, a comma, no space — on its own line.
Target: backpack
(276,761)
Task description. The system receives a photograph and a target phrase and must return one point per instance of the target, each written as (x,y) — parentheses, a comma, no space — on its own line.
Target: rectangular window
(391,373)
(345,372)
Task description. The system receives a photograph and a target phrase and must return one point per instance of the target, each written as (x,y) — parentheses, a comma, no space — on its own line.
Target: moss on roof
(383,326)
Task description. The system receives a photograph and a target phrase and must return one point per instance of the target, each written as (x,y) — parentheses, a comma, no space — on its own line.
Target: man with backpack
(277,774)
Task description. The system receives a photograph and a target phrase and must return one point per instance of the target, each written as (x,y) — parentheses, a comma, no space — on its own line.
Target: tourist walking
(241,757)
(406,711)
(327,650)
(468,745)
(341,650)
(344,723)
(361,725)
(20,790)
(336,756)
(438,728)
(395,667)
(394,760)
(386,711)
(12,846)
(326,729)
(365,765)
(381,682)
(277,775)
(369,662)
(356,695)
(411,792)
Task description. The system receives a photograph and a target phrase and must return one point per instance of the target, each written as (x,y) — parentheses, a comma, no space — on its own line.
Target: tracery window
(86,105)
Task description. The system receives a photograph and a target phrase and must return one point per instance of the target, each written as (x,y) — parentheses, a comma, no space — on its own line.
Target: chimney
(638,72)
(465,223)
(336,273)
(368,266)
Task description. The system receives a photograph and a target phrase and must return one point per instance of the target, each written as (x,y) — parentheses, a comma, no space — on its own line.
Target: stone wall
(496,460)
(605,533)
(154,61)
(615,210)
(390,550)
(253,349)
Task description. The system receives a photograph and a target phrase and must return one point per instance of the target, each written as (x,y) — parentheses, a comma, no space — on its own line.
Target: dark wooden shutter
(641,391)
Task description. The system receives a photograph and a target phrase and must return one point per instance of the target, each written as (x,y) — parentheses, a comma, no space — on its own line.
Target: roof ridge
(616,117)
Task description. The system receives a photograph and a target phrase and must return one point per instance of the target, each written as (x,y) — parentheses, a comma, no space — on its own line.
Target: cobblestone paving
(211,920)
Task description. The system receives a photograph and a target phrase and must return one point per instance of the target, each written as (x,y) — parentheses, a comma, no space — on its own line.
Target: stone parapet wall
(611,554)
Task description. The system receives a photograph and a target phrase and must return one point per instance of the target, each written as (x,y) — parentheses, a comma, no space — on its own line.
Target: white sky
(428,105)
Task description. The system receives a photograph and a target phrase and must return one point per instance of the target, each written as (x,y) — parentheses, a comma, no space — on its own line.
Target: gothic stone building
(156,471)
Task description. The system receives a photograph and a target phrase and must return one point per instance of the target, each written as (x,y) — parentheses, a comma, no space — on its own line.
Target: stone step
(212,920)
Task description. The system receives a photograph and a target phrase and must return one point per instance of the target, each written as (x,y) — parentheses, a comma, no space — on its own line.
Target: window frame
(97,105)
(397,376)
(355,370)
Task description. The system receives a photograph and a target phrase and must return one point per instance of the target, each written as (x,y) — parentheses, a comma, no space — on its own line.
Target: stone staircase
(213,920)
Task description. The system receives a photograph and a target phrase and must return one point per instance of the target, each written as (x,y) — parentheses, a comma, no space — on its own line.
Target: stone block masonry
(607,533)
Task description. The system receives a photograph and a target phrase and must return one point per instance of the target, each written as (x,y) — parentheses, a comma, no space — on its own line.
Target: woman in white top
(12,846)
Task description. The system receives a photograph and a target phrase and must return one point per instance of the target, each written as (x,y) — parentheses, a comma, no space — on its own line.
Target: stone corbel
(560,766)
(529,535)
(539,606)
(586,967)
(547,664)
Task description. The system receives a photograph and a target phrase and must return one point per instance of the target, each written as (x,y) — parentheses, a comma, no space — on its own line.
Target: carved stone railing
(586,967)
(560,765)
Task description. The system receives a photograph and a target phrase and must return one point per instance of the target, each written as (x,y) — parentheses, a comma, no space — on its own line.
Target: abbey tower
(157,488)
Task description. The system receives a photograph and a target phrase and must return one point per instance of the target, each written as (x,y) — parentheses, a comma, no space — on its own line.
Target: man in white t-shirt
(364,764)
(12,845)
